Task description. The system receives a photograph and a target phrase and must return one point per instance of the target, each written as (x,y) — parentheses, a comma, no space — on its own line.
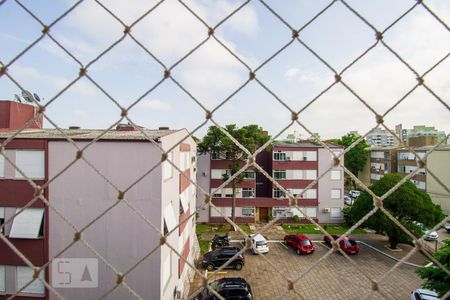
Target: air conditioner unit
(288,158)
(305,158)
(204,173)
(326,210)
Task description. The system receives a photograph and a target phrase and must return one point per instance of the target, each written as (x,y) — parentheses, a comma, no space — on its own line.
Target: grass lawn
(311,229)
(219,228)
(204,246)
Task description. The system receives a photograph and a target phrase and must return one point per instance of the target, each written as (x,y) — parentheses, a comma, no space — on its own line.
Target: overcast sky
(211,74)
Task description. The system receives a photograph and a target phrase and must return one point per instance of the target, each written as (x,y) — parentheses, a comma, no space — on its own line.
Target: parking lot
(333,278)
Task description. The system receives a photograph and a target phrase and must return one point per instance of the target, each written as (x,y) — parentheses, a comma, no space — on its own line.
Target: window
(335,212)
(25,275)
(184,200)
(217,193)
(311,174)
(181,208)
(311,212)
(276,211)
(2,166)
(2,218)
(222,211)
(167,269)
(277,193)
(217,173)
(2,279)
(31,163)
(249,175)
(401,169)
(167,167)
(228,192)
(310,194)
(335,174)
(169,217)
(279,174)
(295,192)
(248,193)
(279,155)
(29,224)
(311,155)
(248,211)
(335,194)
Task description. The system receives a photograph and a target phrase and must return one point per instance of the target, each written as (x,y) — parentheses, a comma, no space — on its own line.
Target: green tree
(406,204)
(435,278)
(356,158)
(215,141)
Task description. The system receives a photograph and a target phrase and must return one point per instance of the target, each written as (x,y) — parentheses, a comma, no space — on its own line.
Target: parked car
(230,288)
(349,200)
(348,245)
(220,241)
(354,193)
(447,227)
(422,294)
(217,258)
(428,234)
(260,243)
(300,243)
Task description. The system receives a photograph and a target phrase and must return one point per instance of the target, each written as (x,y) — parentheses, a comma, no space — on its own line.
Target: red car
(348,245)
(300,243)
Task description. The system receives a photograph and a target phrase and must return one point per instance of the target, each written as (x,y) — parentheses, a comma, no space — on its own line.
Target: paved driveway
(333,278)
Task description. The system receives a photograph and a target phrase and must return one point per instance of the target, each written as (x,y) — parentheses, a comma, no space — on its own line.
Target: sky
(211,74)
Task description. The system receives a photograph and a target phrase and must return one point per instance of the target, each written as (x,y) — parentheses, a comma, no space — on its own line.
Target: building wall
(14,115)
(120,236)
(184,238)
(326,184)
(203,180)
(16,193)
(438,163)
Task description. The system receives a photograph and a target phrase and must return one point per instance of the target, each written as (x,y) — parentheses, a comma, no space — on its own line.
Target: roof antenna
(17,98)
(36,97)
(27,96)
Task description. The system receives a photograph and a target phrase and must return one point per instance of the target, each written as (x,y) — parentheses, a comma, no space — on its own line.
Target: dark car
(216,258)
(348,245)
(300,243)
(231,288)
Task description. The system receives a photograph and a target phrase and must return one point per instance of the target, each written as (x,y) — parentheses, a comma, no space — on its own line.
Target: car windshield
(261,243)
(306,243)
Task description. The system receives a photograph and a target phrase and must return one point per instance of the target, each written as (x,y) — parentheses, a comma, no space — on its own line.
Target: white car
(260,244)
(354,193)
(349,200)
(422,294)
(428,234)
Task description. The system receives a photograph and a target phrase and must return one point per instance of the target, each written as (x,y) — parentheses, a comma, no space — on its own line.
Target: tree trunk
(393,241)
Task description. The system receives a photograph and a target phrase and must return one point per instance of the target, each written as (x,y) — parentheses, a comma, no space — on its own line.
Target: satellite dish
(18,98)
(37,97)
(27,96)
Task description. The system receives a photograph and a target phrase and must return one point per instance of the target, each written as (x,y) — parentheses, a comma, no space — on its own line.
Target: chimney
(125,127)
(13,115)
(163,128)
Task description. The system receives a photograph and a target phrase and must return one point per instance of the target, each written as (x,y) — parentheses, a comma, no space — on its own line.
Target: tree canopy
(407,204)
(356,158)
(435,278)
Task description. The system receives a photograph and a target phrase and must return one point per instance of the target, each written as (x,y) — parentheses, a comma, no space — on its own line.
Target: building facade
(121,231)
(438,162)
(407,163)
(381,138)
(383,160)
(294,166)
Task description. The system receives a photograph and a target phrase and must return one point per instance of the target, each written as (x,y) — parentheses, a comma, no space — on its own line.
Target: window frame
(340,194)
(22,165)
(17,231)
(279,155)
(279,172)
(251,209)
(251,190)
(36,284)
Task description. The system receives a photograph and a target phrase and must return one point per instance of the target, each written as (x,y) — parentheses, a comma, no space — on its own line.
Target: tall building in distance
(294,165)
(420,135)
(382,138)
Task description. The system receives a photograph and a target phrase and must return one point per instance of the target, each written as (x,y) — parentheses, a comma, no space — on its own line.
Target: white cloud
(292,72)
(154,104)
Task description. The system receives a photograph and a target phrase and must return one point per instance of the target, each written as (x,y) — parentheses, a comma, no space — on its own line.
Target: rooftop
(86,134)
(305,144)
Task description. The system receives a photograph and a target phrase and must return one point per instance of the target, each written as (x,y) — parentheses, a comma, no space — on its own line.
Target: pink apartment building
(294,166)
(164,197)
